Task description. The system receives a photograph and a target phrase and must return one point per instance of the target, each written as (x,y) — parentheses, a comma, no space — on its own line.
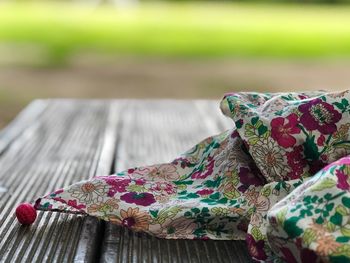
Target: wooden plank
(21,122)
(66,143)
(88,248)
(153,132)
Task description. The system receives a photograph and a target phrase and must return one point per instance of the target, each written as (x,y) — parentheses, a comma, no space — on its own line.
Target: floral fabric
(252,182)
(312,223)
(292,135)
(200,195)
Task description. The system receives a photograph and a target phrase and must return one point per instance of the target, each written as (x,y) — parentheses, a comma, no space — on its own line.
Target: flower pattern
(144,199)
(279,180)
(283,132)
(292,135)
(319,115)
(134,219)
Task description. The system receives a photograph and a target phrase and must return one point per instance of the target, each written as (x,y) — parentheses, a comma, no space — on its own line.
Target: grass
(183,30)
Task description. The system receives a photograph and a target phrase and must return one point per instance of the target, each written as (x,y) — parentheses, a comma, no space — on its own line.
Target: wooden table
(54,143)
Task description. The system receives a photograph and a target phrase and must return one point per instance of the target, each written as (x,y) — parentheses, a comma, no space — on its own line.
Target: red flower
(144,199)
(319,115)
(205,192)
(256,248)
(297,162)
(281,131)
(249,176)
(316,166)
(320,140)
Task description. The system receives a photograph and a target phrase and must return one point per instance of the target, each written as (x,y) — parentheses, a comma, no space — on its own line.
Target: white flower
(89,192)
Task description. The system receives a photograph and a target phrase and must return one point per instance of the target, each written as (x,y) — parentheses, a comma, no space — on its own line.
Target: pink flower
(342,180)
(204,170)
(163,188)
(205,192)
(73,203)
(117,185)
(281,130)
(344,160)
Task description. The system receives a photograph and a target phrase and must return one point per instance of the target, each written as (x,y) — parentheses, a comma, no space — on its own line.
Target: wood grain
(59,146)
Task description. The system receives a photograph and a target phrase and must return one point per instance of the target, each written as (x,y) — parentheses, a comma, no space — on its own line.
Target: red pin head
(26,214)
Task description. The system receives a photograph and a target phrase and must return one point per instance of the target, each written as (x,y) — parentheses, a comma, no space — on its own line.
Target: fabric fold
(203,194)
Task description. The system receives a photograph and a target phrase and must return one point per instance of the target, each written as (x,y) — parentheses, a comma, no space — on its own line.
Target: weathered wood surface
(54,143)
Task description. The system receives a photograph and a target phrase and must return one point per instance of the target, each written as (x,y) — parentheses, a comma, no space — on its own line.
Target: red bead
(26,214)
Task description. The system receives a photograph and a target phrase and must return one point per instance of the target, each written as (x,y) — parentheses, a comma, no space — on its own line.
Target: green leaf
(205,210)
(233,194)
(345,102)
(253,140)
(222,201)
(256,233)
(281,216)
(183,182)
(311,149)
(345,146)
(323,184)
(343,250)
(339,259)
(339,105)
(254,120)
(192,195)
(343,239)
(195,210)
(345,231)
(215,196)
(328,196)
(319,220)
(336,219)
(309,236)
(154,213)
(346,201)
(330,227)
(329,207)
(262,129)
(266,191)
(213,183)
(341,210)
(167,213)
(249,130)
(188,214)
(239,124)
(291,228)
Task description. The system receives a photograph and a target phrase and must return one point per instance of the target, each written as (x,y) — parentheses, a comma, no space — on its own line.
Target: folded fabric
(198,195)
(251,182)
(312,223)
(292,135)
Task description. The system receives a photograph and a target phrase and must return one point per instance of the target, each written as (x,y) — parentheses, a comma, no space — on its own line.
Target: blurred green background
(172,49)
